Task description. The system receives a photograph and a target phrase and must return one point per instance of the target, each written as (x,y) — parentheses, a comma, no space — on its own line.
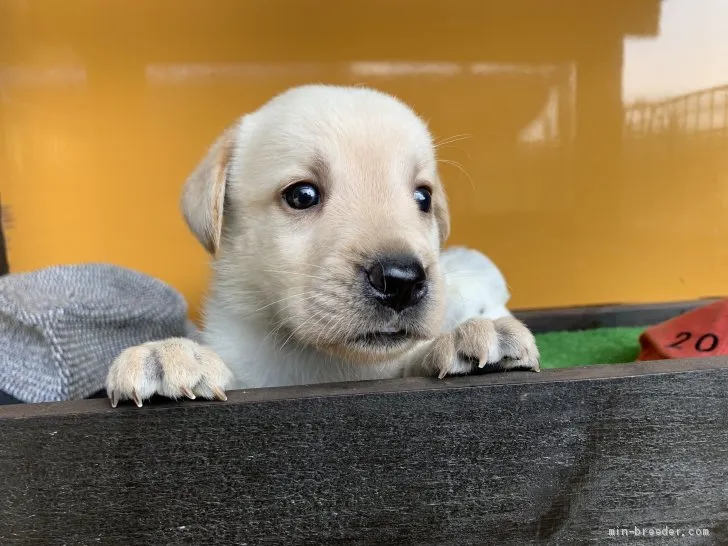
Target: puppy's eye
(423,198)
(302,195)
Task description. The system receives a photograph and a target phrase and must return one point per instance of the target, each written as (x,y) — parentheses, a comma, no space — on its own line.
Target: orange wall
(105,109)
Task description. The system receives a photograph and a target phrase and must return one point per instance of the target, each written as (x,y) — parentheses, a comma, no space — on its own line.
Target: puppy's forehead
(340,125)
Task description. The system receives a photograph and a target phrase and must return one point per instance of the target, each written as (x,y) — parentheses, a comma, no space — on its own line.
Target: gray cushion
(61,327)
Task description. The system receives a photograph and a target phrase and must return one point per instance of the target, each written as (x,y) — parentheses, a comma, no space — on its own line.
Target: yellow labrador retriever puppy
(324,214)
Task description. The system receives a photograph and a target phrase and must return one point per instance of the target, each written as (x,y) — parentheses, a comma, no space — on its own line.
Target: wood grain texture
(514,458)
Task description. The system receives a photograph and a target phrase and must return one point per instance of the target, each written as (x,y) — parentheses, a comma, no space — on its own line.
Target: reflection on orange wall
(579,193)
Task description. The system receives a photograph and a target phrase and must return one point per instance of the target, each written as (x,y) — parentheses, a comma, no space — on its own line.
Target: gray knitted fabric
(61,327)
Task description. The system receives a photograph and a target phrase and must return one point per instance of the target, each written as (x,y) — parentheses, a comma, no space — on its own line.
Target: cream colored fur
(285,298)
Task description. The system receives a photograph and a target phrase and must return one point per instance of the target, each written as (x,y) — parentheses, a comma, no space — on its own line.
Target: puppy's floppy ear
(203,195)
(442,213)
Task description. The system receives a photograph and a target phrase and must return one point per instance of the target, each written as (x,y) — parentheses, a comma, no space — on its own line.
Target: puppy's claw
(219,394)
(137,400)
(442,374)
(188,393)
(114,399)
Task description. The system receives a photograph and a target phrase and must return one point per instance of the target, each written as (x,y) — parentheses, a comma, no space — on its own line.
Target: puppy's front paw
(173,368)
(501,344)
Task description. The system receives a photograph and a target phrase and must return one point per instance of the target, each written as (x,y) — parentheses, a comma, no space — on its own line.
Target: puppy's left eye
(302,196)
(423,198)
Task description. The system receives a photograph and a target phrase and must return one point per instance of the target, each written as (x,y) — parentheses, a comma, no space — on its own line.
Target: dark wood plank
(515,458)
(605,316)
(4,221)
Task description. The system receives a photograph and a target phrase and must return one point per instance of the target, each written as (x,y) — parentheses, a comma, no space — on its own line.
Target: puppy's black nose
(399,282)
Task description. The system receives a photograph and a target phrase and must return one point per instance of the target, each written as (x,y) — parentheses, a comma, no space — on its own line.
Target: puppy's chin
(362,352)
(370,347)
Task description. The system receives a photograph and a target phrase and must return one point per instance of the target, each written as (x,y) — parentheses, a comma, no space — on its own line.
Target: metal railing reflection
(703,112)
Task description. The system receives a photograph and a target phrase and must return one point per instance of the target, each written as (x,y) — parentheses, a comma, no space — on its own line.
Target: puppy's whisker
(317,314)
(293,273)
(270,335)
(281,300)
(453,276)
(319,266)
(280,310)
(322,329)
(342,327)
(459,166)
(296,329)
(451,140)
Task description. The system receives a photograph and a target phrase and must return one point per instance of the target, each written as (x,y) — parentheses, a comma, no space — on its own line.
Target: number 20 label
(704,344)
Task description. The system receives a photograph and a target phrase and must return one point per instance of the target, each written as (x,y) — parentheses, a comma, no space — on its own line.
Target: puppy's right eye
(302,195)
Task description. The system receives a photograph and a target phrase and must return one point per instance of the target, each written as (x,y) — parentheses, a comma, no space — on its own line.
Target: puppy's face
(325,215)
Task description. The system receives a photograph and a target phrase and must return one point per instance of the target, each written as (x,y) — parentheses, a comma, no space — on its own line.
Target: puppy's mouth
(383,338)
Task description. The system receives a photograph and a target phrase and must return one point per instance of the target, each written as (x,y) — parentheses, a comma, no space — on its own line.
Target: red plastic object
(699,333)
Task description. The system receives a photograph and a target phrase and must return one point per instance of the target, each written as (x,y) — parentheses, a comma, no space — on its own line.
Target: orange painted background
(588,139)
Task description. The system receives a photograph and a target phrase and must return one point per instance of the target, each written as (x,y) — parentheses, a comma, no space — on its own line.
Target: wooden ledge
(570,455)
(390,386)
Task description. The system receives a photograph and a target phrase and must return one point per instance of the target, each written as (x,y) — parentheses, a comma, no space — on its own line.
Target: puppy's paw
(484,344)
(174,368)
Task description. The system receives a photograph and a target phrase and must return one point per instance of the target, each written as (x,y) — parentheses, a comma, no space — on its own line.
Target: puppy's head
(325,215)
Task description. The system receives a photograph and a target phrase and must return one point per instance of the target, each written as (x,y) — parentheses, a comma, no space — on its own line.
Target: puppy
(324,214)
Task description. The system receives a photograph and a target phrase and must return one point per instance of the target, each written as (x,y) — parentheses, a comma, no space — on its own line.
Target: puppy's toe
(484,345)
(517,345)
(441,358)
(477,342)
(173,368)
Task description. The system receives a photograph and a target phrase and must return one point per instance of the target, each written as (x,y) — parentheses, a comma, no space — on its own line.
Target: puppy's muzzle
(397,282)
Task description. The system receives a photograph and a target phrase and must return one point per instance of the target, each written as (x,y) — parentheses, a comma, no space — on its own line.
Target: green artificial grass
(584,347)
